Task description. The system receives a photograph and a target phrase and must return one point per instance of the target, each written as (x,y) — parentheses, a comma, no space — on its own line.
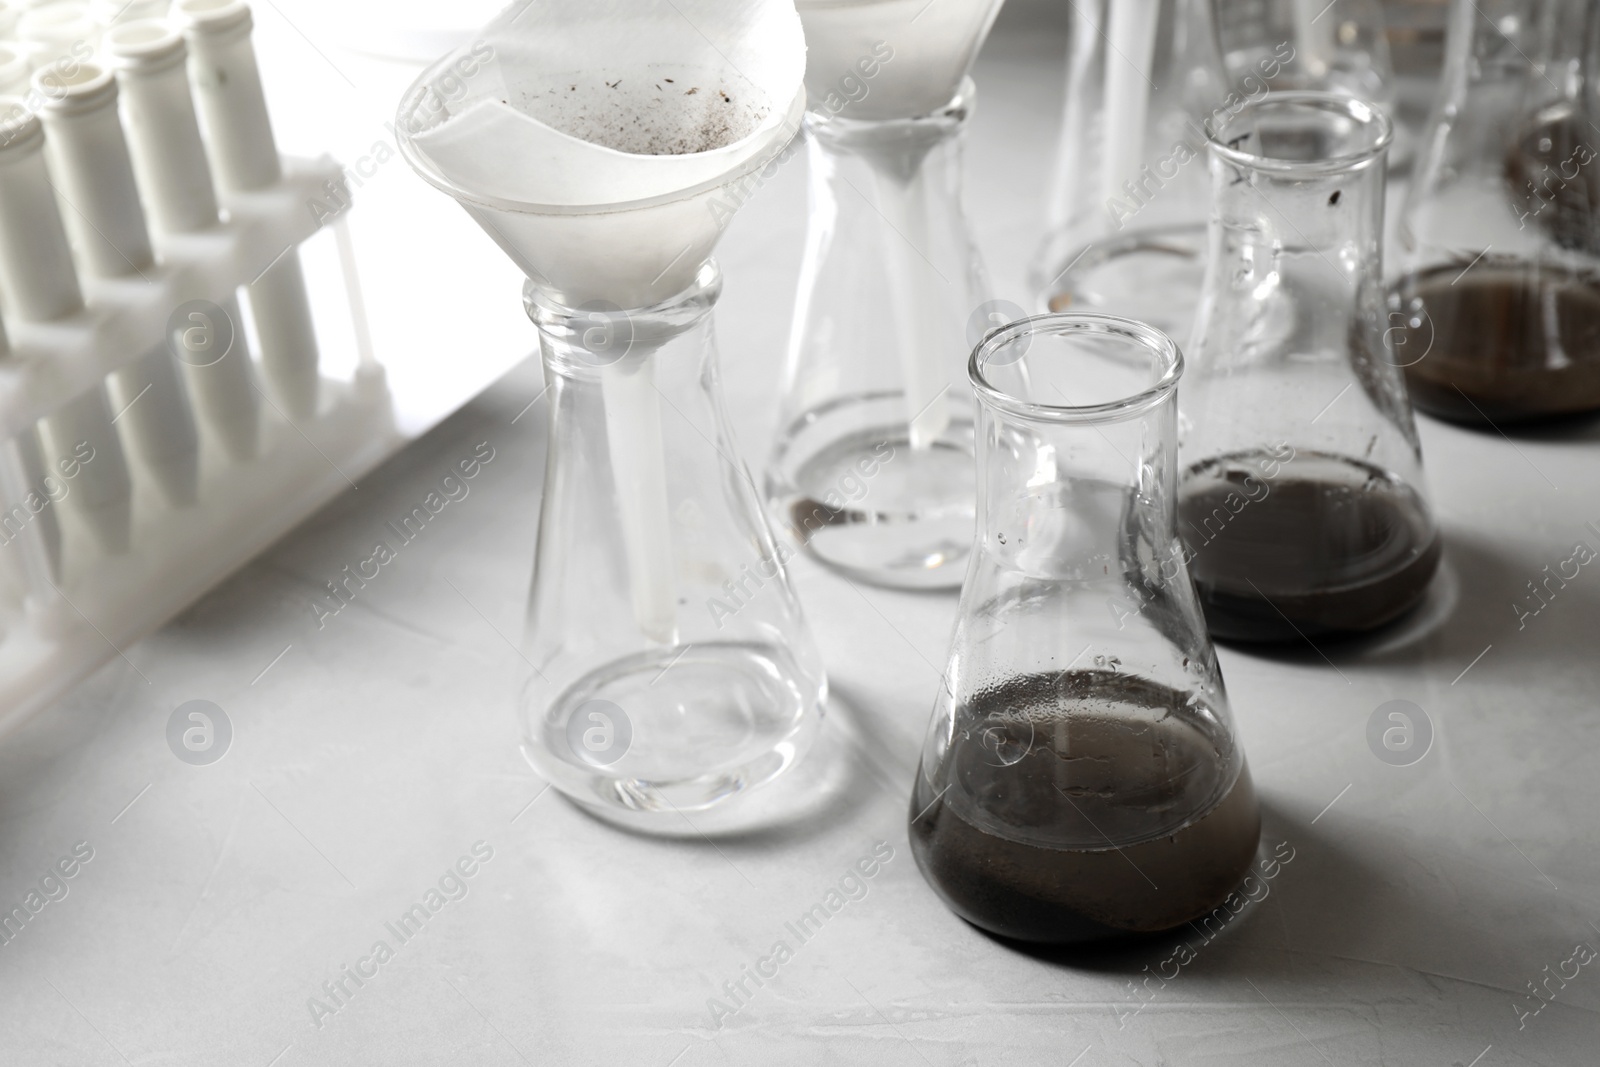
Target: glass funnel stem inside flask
(871,468)
(1081,778)
(670,669)
(904,199)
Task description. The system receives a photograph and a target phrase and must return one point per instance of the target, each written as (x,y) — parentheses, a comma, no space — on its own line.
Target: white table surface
(371,754)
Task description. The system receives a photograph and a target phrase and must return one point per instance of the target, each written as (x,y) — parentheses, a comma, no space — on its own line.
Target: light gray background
(377,750)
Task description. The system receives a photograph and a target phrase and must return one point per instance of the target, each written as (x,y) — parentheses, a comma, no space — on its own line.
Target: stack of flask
(1112,512)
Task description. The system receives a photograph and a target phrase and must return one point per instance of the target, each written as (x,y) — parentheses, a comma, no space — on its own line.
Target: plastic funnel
(604,144)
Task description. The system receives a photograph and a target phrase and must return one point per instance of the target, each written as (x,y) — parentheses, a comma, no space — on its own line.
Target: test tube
(94,178)
(175,178)
(244,156)
(38,284)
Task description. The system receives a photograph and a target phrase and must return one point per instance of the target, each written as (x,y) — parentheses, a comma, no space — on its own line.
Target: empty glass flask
(669,667)
(1125,229)
(1302,497)
(1498,280)
(1081,776)
(871,470)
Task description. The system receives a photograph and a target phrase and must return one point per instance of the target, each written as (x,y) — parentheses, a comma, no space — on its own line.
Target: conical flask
(1498,281)
(1081,776)
(1302,498)
(871,467)
(669,669)
(1129,197)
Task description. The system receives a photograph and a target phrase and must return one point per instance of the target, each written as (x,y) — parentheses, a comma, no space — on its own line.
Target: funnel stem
(633,431)
(1308,38)
(905,205)
(1127,89)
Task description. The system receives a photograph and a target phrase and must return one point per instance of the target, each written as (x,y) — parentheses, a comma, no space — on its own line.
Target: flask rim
(1168,364)
(1365,115)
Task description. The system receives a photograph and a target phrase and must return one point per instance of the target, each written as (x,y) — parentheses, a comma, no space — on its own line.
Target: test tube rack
(59,623)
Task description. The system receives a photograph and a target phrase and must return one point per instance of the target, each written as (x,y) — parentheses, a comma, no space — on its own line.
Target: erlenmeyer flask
(675,693)
(1302,500)
(1129,199)
(669,668)
(871,469)
(1081,776)
(1498,287)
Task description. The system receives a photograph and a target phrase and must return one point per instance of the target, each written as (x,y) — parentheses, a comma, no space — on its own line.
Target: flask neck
(581,343)
(1077,445)
(901,151)
(1298,185)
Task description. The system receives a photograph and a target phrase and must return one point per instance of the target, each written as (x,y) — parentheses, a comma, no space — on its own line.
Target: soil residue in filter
(1507,341)
(1084,806)
(648,115)
(1329,546)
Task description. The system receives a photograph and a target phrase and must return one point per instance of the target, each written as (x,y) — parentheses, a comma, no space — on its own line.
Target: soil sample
(1330,546)
(1507,342)
(1084,806)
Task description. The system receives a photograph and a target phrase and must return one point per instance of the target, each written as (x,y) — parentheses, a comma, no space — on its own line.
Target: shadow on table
(1252,942)
(1473,603)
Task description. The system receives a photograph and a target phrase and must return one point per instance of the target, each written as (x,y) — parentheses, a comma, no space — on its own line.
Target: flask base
(1506,342)
(1084,807)
(869,505)
(1152,276)
(679,729)
(1328,546)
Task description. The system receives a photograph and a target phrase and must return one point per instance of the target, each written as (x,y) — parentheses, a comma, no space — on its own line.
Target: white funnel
(599,141)
(604,145)
(891,59)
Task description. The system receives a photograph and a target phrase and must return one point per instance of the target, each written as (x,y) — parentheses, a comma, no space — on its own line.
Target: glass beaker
(1302,501)
(670,666)
(871,470)
(1129,198)
(1498,283)
(1081,776)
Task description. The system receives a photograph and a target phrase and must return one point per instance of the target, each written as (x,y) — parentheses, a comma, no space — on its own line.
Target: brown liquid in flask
(1330,546)
(1084,806)
(1506,340)
(1508,343)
